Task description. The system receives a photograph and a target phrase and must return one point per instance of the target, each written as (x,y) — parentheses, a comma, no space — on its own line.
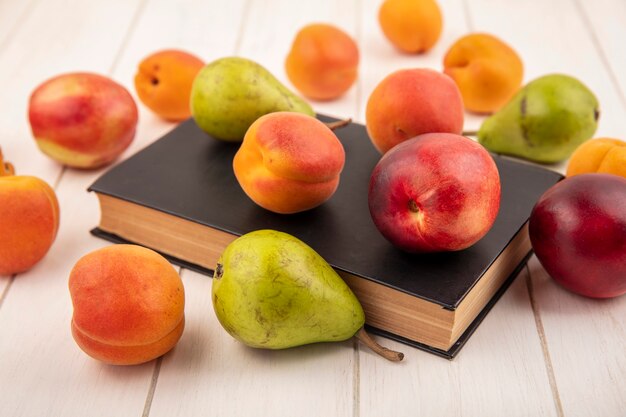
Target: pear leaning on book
(271,290)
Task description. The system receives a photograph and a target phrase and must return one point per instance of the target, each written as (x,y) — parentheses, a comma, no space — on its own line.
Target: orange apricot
(323,61)
(29,220)
(163,82)
(487,70)
(128,304)
(413,26)
(289,162)
(603,155)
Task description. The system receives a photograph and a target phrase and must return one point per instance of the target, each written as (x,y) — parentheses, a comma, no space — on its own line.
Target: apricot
(289,162)
(323,62)
(163,82)
(413,26)
(29,220)
(411,102)
(487,70)
(603,155)
(128,304)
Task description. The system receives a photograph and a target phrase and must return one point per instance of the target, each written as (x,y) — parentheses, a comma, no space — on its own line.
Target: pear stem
(469,133)
(388,354)
(6,168)
(338,124)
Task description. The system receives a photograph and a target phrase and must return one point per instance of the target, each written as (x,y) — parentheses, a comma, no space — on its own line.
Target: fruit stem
(6,168)
(338,124)
(469,133)
(388,354)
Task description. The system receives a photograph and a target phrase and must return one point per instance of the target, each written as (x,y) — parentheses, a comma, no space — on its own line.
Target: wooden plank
(583,339)
(12,15)
(501,371)
(209,370)
(605,21)
(43,372)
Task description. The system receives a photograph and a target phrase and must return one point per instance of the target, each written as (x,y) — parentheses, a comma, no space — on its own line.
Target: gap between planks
(356,379)
(544,344)
(156,372)
(18,22)
(603,57)
(468,16)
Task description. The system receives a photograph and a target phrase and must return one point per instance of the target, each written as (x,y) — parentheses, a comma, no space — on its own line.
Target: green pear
(271,290)
(229,94)
(544,122)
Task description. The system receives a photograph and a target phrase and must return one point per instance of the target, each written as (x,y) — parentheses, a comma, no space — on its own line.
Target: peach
(29,220)
(603,155)
(413,26)
(128,304)
(163,82)
(435,192)
(411,102)
(323,62)
(82,120)
(289,162)
(488,71)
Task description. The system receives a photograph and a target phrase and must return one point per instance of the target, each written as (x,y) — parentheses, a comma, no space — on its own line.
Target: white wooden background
(541,351)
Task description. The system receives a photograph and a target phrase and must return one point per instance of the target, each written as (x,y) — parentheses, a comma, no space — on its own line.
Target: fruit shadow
(300,354)
(124,374)
(552,298)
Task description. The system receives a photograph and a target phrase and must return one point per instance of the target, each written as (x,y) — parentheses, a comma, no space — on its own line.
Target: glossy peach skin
(322,62)
(413,26)
(29,221)
(82,120)
(289,162)
(411,102)
(487,70)
(128,304)
(601,155)
(163,82)
(435,192)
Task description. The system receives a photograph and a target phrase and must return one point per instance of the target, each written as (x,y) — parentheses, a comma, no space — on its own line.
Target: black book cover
(189,174)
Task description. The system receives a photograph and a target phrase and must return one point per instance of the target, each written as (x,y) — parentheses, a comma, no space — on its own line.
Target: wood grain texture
(606,23)
(500,372)
(543,353)
(584,339)
(42,371)
(209,371)
(586,342)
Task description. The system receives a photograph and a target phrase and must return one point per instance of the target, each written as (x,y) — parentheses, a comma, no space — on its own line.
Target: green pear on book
(544,122)
(229,94)
(271,290)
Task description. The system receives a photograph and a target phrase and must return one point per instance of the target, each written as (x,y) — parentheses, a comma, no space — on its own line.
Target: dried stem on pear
(388,354)
(338,124)
(6,168)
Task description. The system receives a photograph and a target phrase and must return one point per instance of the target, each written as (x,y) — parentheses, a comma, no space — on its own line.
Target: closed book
(179,196)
